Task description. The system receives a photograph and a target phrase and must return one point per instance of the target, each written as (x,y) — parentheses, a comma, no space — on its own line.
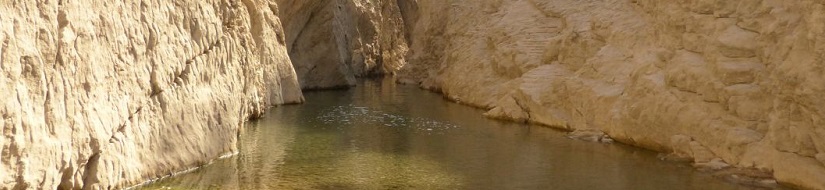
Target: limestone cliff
(107,94)
(100,94)
(737,81)
(331,42)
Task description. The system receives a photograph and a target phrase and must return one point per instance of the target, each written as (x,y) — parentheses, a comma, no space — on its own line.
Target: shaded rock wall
(100,94)
(738,81)
(331,42)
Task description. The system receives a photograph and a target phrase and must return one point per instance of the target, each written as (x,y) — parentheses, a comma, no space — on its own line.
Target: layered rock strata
(101,94)
(331,42)
(730,82)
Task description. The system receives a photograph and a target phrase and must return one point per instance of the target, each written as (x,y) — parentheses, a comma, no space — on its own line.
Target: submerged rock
(748,177)
(713,164)
(590,136)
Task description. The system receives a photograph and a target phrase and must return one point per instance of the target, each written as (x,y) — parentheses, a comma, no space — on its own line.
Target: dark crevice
(90,171)
(66,179)
(188,63)
(301,32)
(62,21)
(20,183)
(156,90)
(523,108)
(46,111)
(409,11)
(3,47)
(122,127)
(312,69)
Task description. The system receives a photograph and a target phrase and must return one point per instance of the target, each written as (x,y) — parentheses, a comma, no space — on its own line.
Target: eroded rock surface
(101,94)
(331,42)
(107,94)
(722,82)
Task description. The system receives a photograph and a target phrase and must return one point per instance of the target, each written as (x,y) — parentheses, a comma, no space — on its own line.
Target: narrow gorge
(103,94)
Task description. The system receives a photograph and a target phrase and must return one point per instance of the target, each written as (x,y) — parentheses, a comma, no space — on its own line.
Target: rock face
(331,42)
(736,81)
(107,94)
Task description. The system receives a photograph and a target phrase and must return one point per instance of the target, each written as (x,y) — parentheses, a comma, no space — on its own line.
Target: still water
(381,135)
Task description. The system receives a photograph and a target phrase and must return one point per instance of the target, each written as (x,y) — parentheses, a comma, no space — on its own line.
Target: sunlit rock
(740,81)
(109,94)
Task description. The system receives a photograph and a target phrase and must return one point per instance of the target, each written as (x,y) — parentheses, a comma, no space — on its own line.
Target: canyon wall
(331,42)
(108,94)
(723,82)
(100,94)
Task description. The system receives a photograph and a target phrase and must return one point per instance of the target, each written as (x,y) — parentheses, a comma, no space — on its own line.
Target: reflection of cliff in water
(383,136)
(261,152)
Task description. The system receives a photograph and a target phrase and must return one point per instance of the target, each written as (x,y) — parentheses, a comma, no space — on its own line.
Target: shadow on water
(381,135)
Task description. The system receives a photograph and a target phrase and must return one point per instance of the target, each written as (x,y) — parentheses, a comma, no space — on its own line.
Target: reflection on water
(383,136)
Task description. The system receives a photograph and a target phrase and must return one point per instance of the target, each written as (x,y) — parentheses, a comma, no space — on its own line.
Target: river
(382,135)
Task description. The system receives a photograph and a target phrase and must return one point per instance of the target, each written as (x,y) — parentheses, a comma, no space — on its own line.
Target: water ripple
(351,115)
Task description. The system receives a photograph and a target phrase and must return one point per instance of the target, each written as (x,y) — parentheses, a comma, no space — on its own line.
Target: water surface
(381,135)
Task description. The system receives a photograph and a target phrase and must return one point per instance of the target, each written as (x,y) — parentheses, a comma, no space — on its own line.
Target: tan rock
(105,95)
(331,42)
(795,169)
(742,136)
(509,109)
(736,42)
(714,164)
(742,79)
(700,153)
(590,135)
(821,158)
(93,90)
(738,71)
(680,145)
